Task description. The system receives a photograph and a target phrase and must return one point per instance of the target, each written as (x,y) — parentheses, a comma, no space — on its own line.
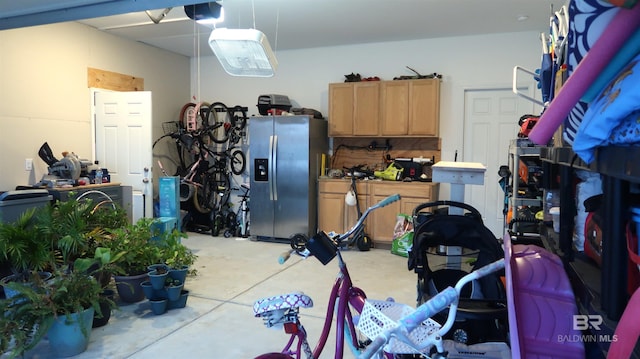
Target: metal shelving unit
(600,291)
(518,149)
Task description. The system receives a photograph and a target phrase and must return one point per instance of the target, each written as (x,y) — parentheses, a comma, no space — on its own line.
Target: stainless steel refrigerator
(285,155)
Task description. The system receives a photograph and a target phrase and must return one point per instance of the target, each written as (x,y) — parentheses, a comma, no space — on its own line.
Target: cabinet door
(394,99)
(331,212)
(341,106)
(424,105)
(366,111)
(408,204)
(382,221)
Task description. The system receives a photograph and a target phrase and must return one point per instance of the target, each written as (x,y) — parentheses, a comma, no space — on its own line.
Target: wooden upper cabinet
(385,108)
(410,108)
(394,100)
(424,105)
(354,109)
(366,113)
(341,100)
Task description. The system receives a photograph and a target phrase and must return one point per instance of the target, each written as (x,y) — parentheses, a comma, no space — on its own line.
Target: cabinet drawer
(420,190)
(340,186)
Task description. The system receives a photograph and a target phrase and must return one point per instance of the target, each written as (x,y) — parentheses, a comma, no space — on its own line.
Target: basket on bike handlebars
(322,247)
(378,316)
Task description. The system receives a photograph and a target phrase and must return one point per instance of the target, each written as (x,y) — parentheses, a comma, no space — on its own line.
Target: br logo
(585,322)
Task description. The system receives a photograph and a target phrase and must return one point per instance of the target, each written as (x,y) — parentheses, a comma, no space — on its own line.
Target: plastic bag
(402,235)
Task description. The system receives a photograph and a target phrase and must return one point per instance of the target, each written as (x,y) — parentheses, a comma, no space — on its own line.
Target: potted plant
(62,309)
(177,256)
(135,251)
(102,266)
(75,228)
(22,247)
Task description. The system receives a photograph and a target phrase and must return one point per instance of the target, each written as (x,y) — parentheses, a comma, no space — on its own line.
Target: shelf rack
(599,291)
(518,149)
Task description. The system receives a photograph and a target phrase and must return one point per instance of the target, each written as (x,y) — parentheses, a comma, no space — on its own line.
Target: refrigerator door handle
(271,167)
(274,172)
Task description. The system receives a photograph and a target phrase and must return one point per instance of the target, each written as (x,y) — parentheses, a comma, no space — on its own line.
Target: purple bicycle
(345,300)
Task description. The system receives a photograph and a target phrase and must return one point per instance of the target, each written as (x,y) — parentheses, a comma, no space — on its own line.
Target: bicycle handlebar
(435,305)
(383,203)
(284,256)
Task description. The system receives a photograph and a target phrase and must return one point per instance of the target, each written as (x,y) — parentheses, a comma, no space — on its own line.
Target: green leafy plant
(133,246)
(175,254)
(102,266)
(23,248)
(76,227)
(29,314)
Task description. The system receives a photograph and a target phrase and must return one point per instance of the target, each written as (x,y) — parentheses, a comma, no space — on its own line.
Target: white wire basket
(378,316)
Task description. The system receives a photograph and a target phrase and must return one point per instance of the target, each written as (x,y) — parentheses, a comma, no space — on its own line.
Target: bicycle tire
(190,109)
(204,196)
(238,162)
(221,187)
(219,122)
(239,122)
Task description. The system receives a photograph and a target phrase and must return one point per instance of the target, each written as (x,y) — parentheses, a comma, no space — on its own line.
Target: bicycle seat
(283,301)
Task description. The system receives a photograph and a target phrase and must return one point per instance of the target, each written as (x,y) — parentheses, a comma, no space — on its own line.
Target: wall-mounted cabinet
(353,106)
(410,108)
(402,108)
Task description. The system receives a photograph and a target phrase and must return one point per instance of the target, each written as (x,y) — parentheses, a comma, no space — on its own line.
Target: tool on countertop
(393,172)
(66,171)
(416,168)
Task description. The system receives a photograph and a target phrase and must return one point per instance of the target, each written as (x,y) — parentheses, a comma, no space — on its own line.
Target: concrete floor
(218,320)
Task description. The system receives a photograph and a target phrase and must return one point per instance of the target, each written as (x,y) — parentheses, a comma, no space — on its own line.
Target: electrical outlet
(28,164)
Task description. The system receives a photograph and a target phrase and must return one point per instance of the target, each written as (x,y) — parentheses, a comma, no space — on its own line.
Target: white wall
(44,95)
(304,75)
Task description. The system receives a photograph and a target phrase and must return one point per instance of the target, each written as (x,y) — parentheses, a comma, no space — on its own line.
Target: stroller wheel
(363,243)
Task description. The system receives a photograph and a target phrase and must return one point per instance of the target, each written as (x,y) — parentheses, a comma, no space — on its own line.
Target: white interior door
(123,143)
(490,123)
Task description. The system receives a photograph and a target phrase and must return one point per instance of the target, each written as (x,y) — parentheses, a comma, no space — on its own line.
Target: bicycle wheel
(239,117)
(191,117)
(221,187)
(203,194)
(219,122)
(238,162)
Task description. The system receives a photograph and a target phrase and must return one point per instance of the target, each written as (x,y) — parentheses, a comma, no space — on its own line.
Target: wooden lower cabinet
(334,215)
(384,219)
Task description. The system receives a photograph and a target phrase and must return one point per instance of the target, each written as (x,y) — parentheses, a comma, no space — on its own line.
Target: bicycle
(416,330)
(205,165)
(238,222)
(345,297)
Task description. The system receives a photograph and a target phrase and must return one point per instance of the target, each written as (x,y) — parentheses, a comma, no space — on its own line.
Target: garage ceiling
(290,24)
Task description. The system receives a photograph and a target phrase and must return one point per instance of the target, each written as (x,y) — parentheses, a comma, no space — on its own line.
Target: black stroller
(457,245)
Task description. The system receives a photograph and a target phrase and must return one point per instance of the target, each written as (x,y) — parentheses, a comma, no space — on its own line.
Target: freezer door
(260,152)
(291,210)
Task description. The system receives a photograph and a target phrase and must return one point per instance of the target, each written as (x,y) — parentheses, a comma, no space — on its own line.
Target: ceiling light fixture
(243,52)
(203,12)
